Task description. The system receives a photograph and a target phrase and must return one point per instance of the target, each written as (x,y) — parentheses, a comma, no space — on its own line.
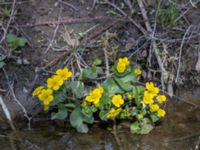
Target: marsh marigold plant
(118,97)
(46,93)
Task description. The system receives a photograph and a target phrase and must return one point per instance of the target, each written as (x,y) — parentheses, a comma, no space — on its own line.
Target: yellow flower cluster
(148,99)
(113,113)
(122,64)
(45,94)
(152,89)
(57,80)
(95,96)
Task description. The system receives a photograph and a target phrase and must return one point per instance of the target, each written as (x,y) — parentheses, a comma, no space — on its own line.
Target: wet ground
(180,130)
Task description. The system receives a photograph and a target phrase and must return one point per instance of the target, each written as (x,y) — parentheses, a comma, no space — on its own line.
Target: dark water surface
(180,130)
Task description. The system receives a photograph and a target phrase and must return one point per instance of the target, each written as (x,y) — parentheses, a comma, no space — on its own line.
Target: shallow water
(180,130)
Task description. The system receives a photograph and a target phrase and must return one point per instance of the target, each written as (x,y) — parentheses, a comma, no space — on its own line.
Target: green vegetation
(118,97)
(166,17)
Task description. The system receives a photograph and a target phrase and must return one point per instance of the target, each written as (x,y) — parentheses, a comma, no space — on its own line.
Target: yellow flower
(154,107)
(137,71)
(121,67)
(96,102)
(95,96)
(124,61)
(55,82)
(139,116)
(37,91)
(113,113)
(161,98)
(122,64)
(152,89)
(161,113)
(101,89)
(148,98)
(64,73)
(46,96)
(117,100)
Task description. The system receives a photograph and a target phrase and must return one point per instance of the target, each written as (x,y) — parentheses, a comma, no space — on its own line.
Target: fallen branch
(7,114)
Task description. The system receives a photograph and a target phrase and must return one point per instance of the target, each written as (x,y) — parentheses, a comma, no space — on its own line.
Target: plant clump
(118,97)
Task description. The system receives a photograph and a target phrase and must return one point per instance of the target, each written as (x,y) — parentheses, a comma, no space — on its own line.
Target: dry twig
(17,101)
(180,54)
(106,55)
(131,19)
(164,73)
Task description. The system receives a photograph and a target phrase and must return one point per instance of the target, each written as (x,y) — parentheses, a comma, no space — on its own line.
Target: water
(180,130)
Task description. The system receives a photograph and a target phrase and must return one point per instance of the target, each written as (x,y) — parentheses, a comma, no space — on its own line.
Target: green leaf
(76,117)
(77,120)
(131,77)
(111,87)
(141,128)
(22,41)
(88,118)
(61,114)
(14,44)
(70,105)
(145,129)
(91,73)
(125,86)
(14,41)
(143,111)
(138,92)
(154,117)
(105,100)
(135,127)
(103,115)
(134,111)
(59,97)
(87,111)
(97,62)
(146,121)
(10,37)
(77,88)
